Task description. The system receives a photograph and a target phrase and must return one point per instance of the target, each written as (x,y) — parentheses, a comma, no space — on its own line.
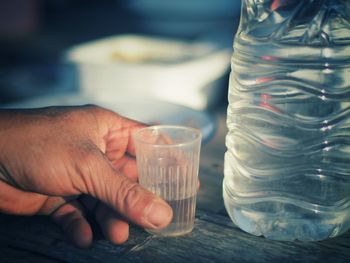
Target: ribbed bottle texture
(287,167)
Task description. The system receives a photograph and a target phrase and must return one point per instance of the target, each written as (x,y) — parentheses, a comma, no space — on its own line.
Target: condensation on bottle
(287,165)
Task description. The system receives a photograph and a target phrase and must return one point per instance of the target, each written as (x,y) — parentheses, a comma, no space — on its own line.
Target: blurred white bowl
(139,66)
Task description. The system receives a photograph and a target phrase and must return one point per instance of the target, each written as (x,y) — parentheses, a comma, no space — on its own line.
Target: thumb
(128,198)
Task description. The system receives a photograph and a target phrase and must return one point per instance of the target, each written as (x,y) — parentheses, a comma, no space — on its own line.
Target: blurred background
(113,51)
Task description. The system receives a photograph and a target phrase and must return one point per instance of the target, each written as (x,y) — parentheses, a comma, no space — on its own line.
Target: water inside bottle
(287,168)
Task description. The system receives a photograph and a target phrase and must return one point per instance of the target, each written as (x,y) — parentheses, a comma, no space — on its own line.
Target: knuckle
(91,109)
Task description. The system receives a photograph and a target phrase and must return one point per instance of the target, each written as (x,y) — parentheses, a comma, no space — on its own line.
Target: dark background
(35,33)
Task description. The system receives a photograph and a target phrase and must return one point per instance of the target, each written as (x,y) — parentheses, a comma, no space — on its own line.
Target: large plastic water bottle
(287,165)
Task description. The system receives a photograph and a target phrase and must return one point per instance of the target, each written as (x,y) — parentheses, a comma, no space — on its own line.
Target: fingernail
(158,214)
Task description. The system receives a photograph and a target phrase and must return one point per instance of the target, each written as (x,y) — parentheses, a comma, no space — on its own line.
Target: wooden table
(214,239)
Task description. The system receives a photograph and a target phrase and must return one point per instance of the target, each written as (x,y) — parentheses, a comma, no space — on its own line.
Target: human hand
(49,157)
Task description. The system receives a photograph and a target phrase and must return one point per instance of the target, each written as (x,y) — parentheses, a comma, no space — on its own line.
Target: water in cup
(176,183)
(184,213)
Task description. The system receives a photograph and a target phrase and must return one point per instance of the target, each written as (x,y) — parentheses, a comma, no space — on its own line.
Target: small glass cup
(168,161)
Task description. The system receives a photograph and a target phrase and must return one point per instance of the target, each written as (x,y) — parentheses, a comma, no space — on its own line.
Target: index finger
(132,127)
(119,139)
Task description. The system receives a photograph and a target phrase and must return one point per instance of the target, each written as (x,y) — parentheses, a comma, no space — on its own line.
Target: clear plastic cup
(168,161)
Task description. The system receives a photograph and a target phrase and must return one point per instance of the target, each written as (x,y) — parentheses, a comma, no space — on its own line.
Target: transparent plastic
(168,161)
(287,165)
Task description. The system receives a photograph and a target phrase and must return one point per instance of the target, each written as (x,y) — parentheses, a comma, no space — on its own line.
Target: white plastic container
(138,66)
